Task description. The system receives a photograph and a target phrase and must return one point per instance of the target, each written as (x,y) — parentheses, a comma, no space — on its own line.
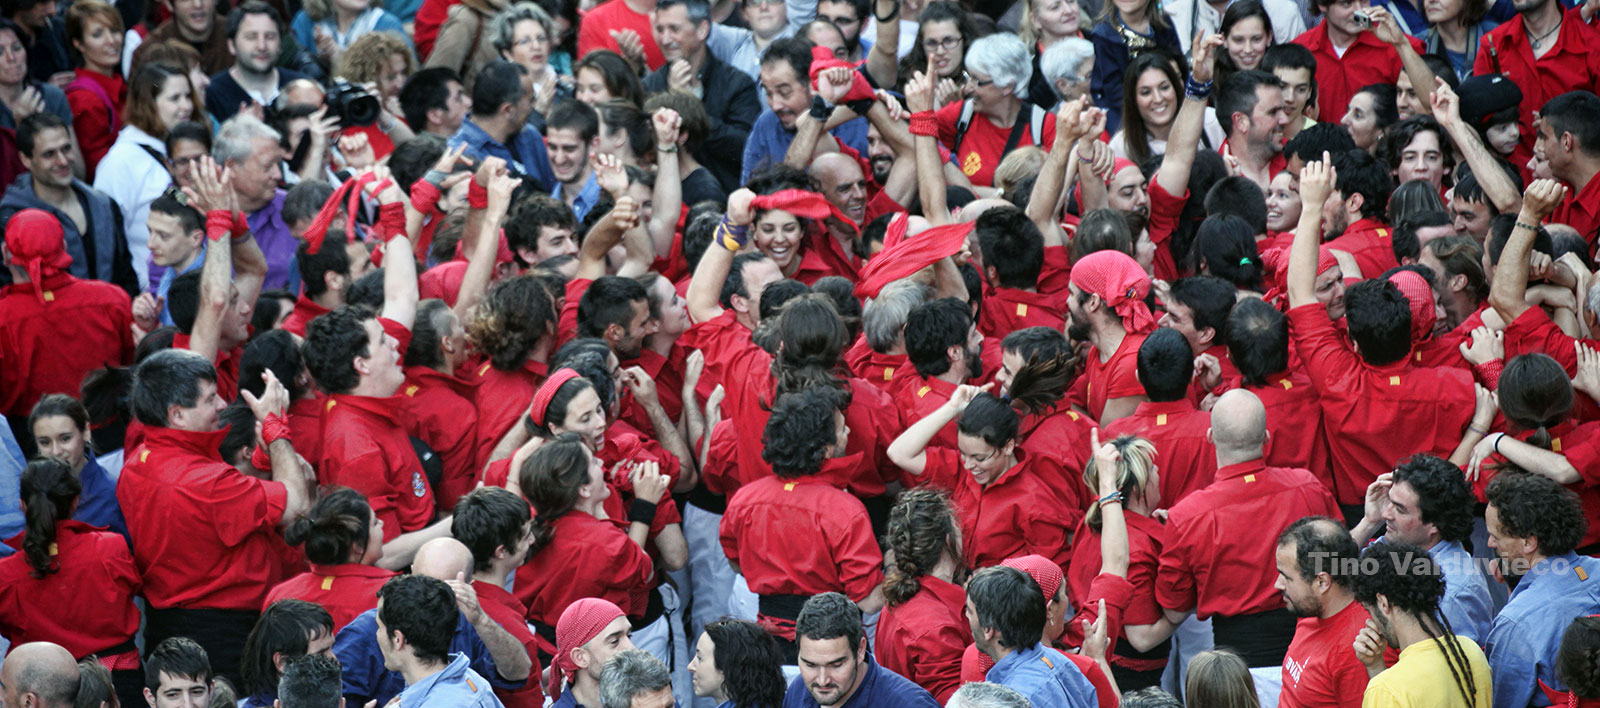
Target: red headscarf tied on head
(1044,571)
(38,246)
(547,391)
(1117,278)
(801,203)
(1420,297)
(1277,262)
(903,256)
(580,623)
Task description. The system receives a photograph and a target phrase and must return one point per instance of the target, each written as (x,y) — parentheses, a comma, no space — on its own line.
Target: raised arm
(1060,169)
(930,174)
(883,60)
(213,195)
(666,431)
(480,262)
(1387,30)
(399,264)
(286,469)
(608,232)
(668,197)
(705,288)
(1502,192)
(1316,183)
(901,185)
(1184,140)
(1507,295)
(910,451)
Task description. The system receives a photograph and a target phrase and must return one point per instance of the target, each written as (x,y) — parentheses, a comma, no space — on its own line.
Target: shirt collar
(1155,408)
(202,444)
(1247,470)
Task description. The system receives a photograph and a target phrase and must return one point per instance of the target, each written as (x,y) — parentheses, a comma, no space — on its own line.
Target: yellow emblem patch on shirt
(788,487)
(483,369)
(923,391)
(1383,233)
(1394,380)
(1286,384)
(1161,419)
(1022,310)
(1073,414)
(1582,574)
(971,164)
(1555,445)
(412,390)
(49,296)
(144,455)
(1249,478)
(327,582)
(888,373)
(331,404)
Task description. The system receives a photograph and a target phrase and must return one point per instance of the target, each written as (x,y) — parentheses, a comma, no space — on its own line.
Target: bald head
(843,183)
(43,670)
(1238,427)
(443,558)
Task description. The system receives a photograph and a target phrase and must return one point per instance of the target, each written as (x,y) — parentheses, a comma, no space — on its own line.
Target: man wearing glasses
(768,21)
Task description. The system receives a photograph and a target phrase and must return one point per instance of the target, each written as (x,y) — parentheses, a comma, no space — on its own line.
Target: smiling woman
(97,93)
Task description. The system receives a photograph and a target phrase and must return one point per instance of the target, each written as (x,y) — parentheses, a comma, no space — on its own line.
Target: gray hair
(1005,59)
(1591,298)
(631,673)
(1062,59)
(884,316)
(236,138)
(504,25)
(698,10)
(982,694)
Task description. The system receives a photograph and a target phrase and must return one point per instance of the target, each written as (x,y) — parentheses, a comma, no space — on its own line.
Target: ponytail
(337,524)
(550,479)
(922,528)
(49,492)
(1039,383)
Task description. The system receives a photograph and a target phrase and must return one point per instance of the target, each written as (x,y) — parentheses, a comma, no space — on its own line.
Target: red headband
(802,203)
(547,391)
(822,59)
(1045,572)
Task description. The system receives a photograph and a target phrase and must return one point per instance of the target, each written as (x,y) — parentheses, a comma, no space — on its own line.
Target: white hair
(884,316)
(236,138)
(982,694)
(1004,58)
(631,673)
(1062,59)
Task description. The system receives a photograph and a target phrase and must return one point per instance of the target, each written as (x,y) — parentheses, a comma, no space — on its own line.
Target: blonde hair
(1025,29)
(1138,460)
(1017,165)
(1219,679)
(319,9)
(368,57)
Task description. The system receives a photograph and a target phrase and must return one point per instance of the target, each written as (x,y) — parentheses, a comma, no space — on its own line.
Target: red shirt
(1230,375)
(586,557)
(1581,210)
(95,121)
(1188,462)
(430,17)
(881,370)
(923,638)
(1212,563)
(365,447)
(86,606)
(594,32)
(1533,332)
(920,397)
(1063,436)
(442,281)
(667,371)
(1370,243)
(345,590)
(502,399)
(48,347)
(1294,423)
(1320,670)
(801,537)
(1570,65)
(1145,539)
(1116,377)
(981,148)
(1376,416)
(305,310)
(1006,310)
(446,419)
(227,364)
(1165,212)
(1004,519)
(508,612)
(305,427)
(1368,60)
(204,534)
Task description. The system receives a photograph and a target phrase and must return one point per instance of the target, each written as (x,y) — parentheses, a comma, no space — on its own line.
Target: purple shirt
(277,244)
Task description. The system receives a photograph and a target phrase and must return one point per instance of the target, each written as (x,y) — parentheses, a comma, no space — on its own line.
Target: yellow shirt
(1422,679)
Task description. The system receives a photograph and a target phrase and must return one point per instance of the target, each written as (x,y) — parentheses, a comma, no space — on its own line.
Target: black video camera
(353,104)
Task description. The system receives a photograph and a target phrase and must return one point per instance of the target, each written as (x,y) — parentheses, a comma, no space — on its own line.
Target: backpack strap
(962,124)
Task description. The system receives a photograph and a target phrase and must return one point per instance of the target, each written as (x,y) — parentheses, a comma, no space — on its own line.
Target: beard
(974,362)
(1077,331)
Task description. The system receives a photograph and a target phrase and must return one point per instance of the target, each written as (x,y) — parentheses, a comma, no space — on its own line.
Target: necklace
(1537,41)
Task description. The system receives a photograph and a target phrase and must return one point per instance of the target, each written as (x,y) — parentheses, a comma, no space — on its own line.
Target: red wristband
(241,226)
(924,123)
(260,460)
(477,195)
(391,221)
(219,223)
(274,428)
(425,196)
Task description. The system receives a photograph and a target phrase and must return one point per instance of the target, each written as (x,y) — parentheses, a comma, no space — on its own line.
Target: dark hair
(529,217)
(1534,506)
(304,200)
(1309,144)
(59,404)
(1011,245)
(1102,230)
(250,7)
(1010,602)
(991,419)
(830,615)
(1404,241)
(609,301)
(620,114)
(794,51)
(576,116)
(800,431)
(1358,172)
(931,329)
(841,291)
(1393,146)
(777,295)
(49,490)
(1210,298)
(922,528)
(750,662)
(811,337)
(240,422)
(179,657)
(1444,498)
(700,227)
(550,479)
(1380,321)
(1240,197)
(1292,56)
(498,83)
(432,324)
(1385,103)
(1578,660)
(367,291)
(1046,369)
(512,319)
(1238,94)
(269,304)
(1166,364)
(168,378)
(275,351)
(183,300)
(188,217)
(1226,246)
(1468,189)
(615,73)
(1412,582)
(1320,549)
(556,412)
(188,130)
(1154,697)
(1135,135)
(338,522)
(1236,13)
(1258,340)
(424,610)
(28,130)
(487,519)
(937,11)
(95,688)
(1573,112)
(1500,234)
(412,159)
(333,341)
(286,627)
(1536,395)
(311,682)
(424,91)
(694,121)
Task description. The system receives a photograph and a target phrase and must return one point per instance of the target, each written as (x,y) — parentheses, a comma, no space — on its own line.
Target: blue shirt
(97,503)
(1466,603)
(769,140)
(361,661)
(11,466)
(566,700)
(880,688)
(165,286)
(1047,678)
(1523,642)
(456,685)
(525,156)
(587,197)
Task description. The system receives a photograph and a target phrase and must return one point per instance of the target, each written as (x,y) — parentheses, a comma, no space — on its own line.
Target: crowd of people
(800,354)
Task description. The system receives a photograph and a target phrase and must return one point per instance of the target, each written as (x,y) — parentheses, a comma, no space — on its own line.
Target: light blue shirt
(525,156)
(1047,678)
(1523,642)
(587,197)
(165,286)
(456,685)
(1466,603)
(11,466)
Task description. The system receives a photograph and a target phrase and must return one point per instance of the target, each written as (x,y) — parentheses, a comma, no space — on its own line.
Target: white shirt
(133,178)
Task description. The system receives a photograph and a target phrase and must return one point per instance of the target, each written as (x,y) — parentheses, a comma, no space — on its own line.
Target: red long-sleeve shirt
(502,399)
(586,557)
(442,409)
(1187,460)
(510,613)
(345,590)
(1012,516)
(923,638)
(801,537)
(1294,424)
(47,347)
(86,606)
(1145,539)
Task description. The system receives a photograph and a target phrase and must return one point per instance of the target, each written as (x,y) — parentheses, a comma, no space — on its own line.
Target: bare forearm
(1302,274)
(214,298)
(397,553)
(668,202)
(511,659)
(804,144)
(286,471)
(1173,176)
(1497,185)
(1510,285)
(930,182)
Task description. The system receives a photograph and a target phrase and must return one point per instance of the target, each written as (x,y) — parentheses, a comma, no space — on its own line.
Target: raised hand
(1316,181)
(1446,105)
(1487,345)
(648,482)
(1542,197)
(147,311)
(356,150)
(466,598)
(666,122)
(632,47)
(833,84)
(963,395)
(1384,26)
(1107,461)
(1205,58)
(1587,380)
(1369,646)
(500,191)
(213,187)
(487,170)
(919,91)
(640,383)
(274,399)
(739,211)
(625,214)
(947,91)
(609,174)
(1377,497)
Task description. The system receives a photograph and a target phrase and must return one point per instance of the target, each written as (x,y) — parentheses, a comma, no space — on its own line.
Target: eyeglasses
(980,83)
(189,161)
(947,44)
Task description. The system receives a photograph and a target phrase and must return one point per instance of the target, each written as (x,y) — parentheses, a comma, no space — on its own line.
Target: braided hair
(922,527)
(1411,581)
